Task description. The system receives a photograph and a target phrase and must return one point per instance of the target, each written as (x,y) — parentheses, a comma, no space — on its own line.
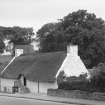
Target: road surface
(4,100)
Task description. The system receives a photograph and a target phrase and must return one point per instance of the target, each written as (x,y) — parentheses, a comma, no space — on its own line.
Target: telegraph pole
(38,87)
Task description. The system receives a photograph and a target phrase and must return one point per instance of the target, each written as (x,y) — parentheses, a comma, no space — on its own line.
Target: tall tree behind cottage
(81,28)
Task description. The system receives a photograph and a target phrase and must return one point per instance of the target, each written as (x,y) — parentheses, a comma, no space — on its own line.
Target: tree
(51,37)
(2,46)
(88,32)
(15,34)
(21,35)
(81,28)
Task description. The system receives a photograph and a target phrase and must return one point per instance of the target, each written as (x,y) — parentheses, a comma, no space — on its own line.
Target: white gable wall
(72,64)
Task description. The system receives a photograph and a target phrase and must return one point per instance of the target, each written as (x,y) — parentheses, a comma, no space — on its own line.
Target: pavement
(44,97)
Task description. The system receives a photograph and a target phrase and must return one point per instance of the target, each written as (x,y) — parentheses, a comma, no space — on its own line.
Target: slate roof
(39,66)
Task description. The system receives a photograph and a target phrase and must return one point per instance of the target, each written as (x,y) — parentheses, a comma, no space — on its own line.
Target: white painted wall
(72,64)
(43,86)
(18,52)
(8,83)
(33,86)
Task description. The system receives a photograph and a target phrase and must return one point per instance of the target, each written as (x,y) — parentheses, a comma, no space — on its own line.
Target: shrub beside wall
(95,84)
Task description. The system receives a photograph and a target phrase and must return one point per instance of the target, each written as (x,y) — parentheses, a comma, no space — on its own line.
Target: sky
(36,13)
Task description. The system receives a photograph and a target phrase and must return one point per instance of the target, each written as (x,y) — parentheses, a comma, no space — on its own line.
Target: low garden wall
(76,94)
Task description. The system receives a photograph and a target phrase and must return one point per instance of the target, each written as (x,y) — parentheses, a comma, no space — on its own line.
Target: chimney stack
(72,49)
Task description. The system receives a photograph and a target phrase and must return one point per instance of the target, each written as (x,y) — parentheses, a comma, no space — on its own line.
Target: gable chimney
(72,49)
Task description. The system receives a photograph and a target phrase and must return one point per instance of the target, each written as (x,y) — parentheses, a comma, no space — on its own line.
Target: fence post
(38,87)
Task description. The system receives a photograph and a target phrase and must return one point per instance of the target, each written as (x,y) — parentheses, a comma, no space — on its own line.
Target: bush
(74,83)
(95,84)
(98,77)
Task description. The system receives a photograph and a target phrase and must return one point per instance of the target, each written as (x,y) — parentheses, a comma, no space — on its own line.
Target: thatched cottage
(38,72)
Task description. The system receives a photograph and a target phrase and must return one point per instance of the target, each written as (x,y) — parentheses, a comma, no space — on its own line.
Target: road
(4,100)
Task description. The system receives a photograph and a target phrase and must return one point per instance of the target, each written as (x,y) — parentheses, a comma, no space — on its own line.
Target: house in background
(23,47)
(39,71)
(13,47)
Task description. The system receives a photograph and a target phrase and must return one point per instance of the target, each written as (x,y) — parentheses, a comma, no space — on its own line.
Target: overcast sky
(35,13)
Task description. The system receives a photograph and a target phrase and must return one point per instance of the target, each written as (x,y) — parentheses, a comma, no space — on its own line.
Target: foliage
(72,82)
(19,34)
(15,34)
(2,46)
(77,85)
(51,38)
(60,78)
(98,76)
(96,82)
(81,28)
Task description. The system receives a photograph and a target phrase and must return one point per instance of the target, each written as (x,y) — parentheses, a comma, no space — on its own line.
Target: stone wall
(76,94)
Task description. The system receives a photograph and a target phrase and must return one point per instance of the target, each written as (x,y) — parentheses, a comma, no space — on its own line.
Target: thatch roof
(39,66)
